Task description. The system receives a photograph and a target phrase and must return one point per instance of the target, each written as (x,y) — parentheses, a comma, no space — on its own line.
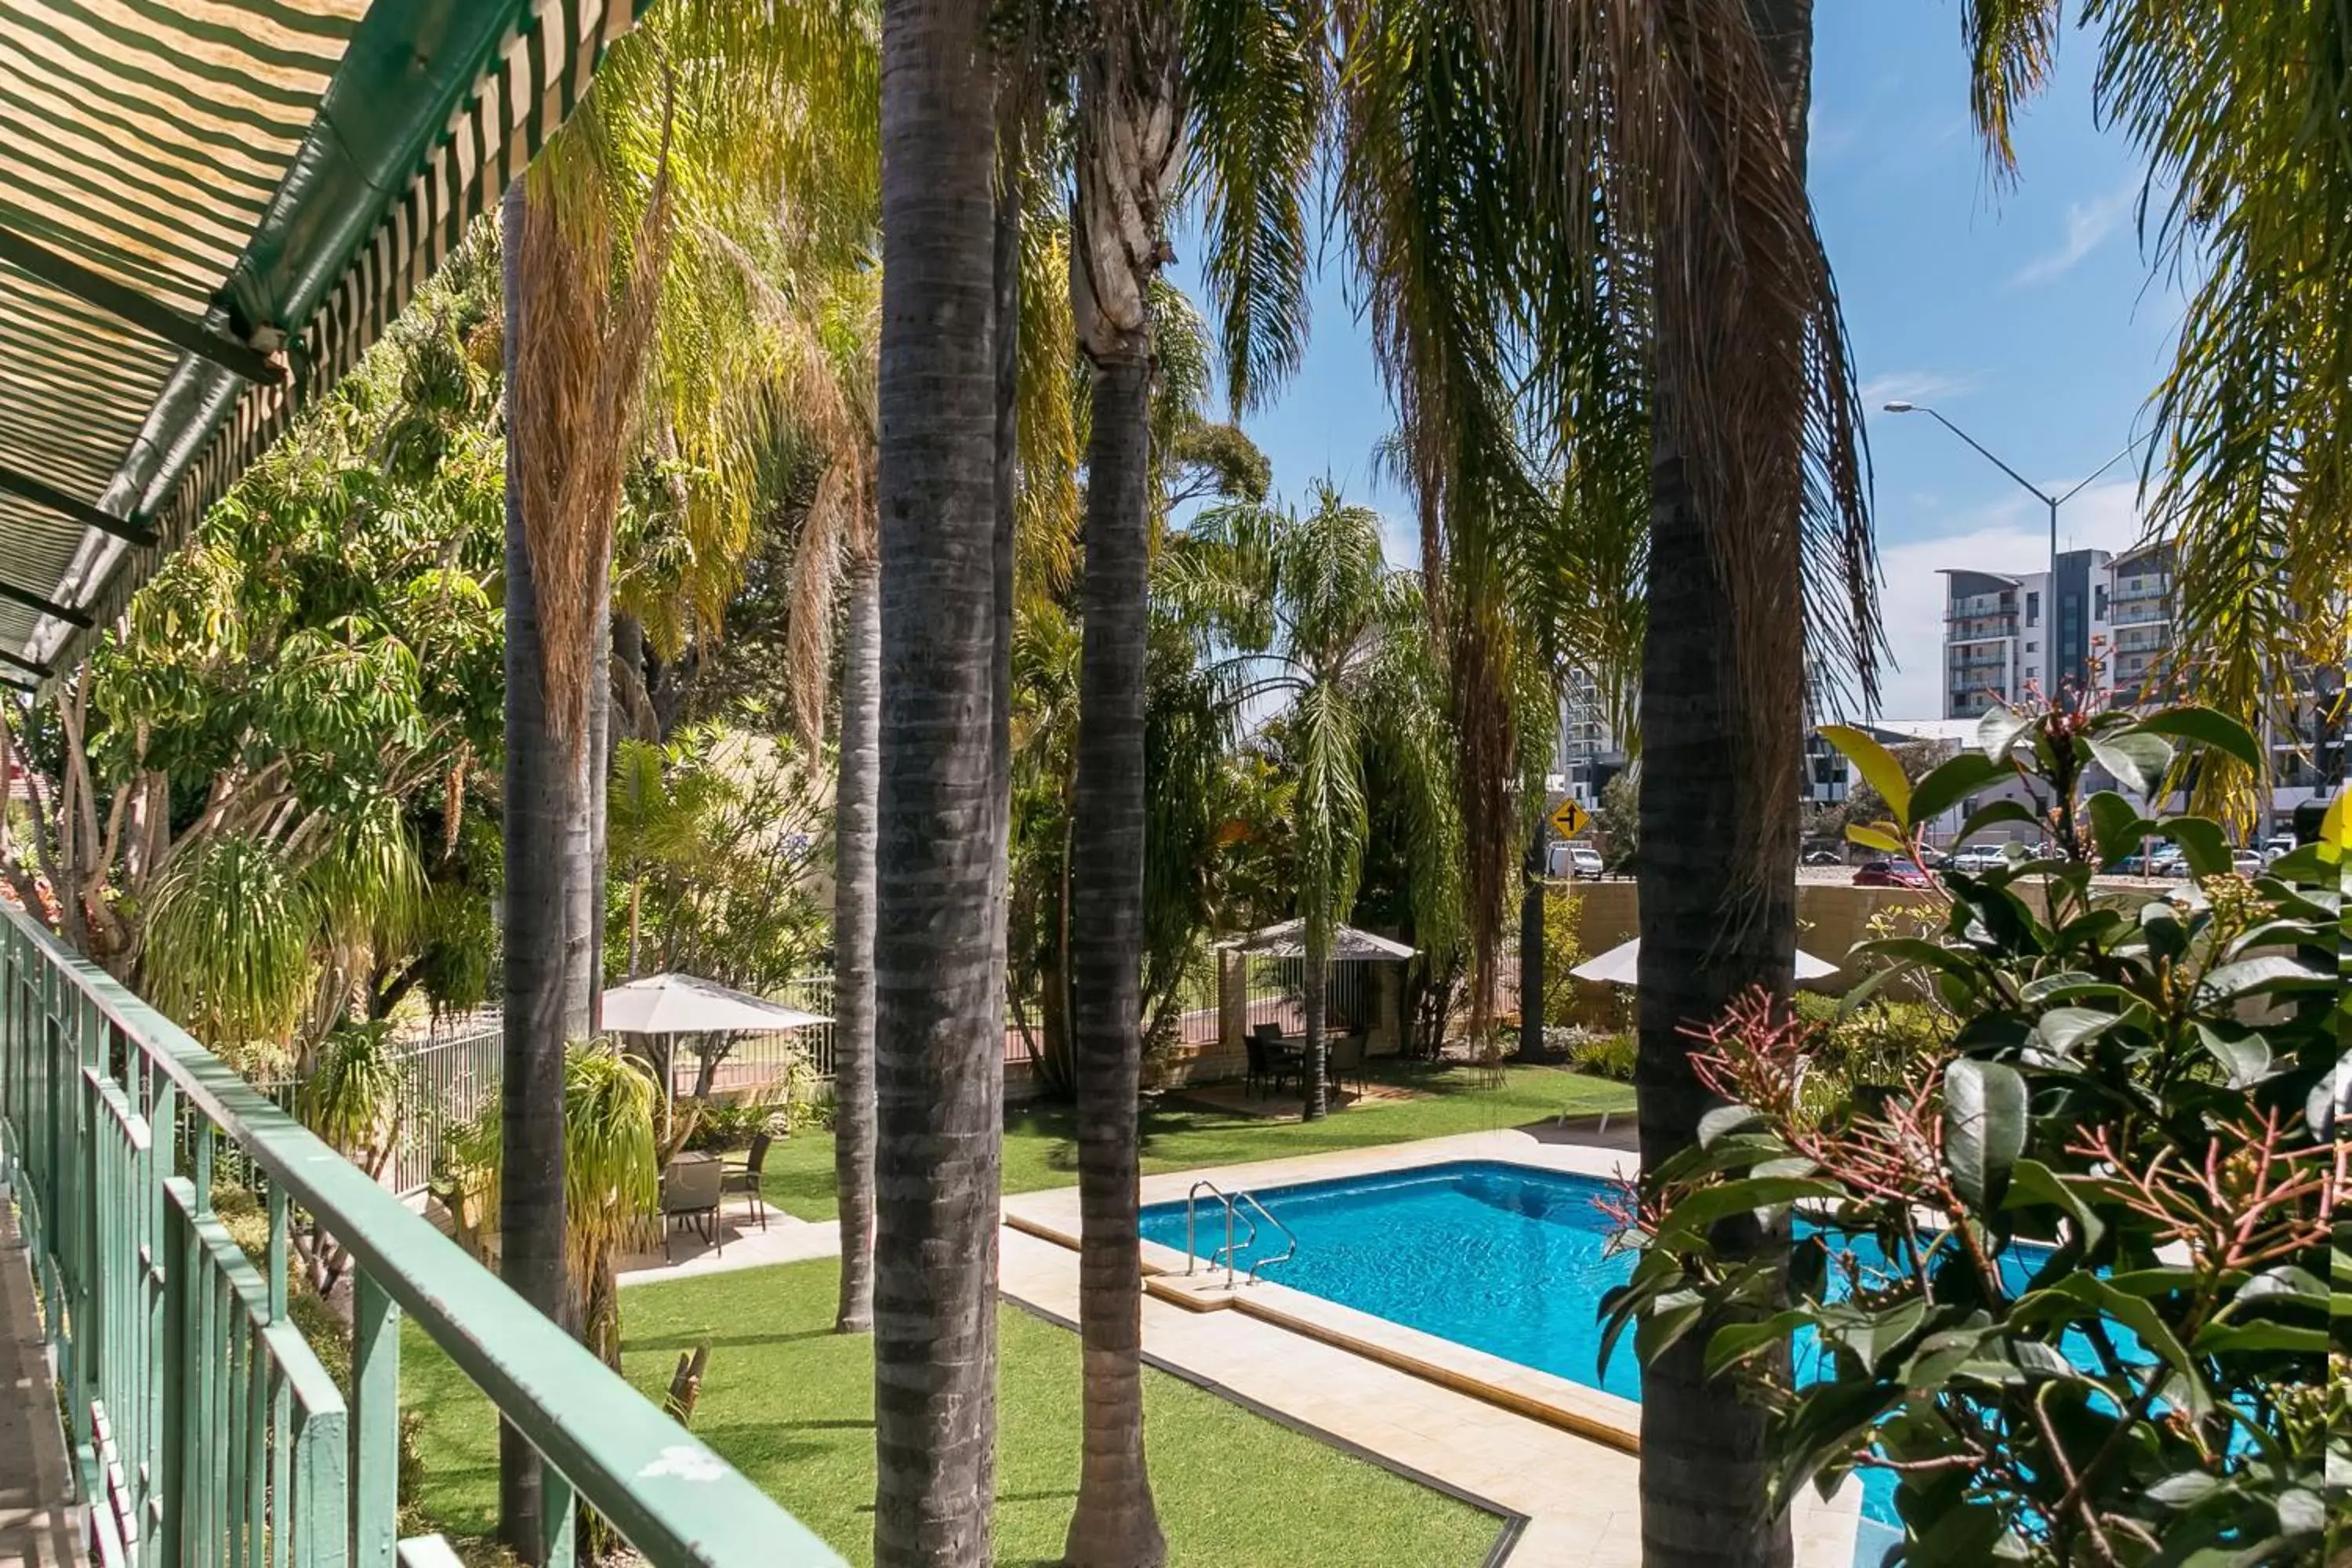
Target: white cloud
(2013,537)
(1914,387)
(2087,224)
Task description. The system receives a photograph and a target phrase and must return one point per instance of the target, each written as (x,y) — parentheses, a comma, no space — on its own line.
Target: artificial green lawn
(790,1403)
(1041,1142)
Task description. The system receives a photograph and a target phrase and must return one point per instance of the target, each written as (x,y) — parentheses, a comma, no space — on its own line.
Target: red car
(1889,874)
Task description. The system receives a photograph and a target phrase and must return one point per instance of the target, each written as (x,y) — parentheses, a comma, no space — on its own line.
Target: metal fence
(208,1429)
(1277,987)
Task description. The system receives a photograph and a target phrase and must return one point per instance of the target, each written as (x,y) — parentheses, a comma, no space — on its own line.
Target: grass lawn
(1041,1142)
(790,1403)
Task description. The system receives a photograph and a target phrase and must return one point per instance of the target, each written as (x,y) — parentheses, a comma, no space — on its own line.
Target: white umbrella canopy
(1619,964)
(687,1005)
(1348,944)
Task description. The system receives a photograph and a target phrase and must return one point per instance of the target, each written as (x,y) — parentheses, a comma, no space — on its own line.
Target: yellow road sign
(1570,818)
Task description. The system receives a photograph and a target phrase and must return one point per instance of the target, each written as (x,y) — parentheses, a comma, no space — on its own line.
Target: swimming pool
(1509,1260)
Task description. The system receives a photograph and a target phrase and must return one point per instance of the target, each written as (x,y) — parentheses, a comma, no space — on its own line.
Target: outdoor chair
(690,1191)
(1270,1060)
(1346,1061)
(745,1178)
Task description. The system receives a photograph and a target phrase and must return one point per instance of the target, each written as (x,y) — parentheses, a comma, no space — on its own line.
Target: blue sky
(2026,315)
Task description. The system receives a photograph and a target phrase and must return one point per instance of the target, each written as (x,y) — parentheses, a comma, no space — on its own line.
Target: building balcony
(209,1429)
(2140,614)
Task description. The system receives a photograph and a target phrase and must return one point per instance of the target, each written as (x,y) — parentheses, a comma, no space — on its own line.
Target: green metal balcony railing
(208,1433)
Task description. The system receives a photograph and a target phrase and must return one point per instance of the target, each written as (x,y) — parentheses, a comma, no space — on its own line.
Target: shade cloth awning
(207,213)
(1288,940)
(688,1005)
(1619,965)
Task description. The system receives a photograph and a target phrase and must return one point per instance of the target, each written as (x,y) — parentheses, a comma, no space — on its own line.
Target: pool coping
(1585,1412)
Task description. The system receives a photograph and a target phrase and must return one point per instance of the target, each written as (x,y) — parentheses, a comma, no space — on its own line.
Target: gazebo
(1287,940)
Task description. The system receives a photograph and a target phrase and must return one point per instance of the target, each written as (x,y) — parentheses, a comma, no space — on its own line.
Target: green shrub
(1605,1056)
(2101,1333)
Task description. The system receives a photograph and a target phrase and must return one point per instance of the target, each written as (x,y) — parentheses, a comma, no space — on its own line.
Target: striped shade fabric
(209,210)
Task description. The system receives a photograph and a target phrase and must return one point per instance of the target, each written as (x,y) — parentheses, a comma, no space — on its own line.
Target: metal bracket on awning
(32,601)
(37,670)
(27,487)
(181,332)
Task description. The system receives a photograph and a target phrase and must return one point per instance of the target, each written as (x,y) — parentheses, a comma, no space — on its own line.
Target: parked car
(1822,857)
(2276,846)
(2249,862)
(1980,858)
(1889,874)
(2163,860)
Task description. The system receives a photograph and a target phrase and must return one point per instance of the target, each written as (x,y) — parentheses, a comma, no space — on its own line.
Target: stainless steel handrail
(1191,1205)
(1259,1264)
(1231,1203)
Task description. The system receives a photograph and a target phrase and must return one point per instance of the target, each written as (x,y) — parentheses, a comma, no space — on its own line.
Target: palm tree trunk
(852,945)
(1006,275)
(541,807)
(1114,1525)
(1703,1448)
(1531,953)
(1318,1085)
(939,1036)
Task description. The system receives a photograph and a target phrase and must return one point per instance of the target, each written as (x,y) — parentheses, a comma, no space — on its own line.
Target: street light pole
(2044,496)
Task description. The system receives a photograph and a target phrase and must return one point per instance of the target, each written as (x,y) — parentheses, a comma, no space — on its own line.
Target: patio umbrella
(1617,966)
(685,1004)
(1288,940)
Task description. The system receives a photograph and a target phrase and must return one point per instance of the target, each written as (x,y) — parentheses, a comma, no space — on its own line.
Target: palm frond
(1260,74)
(2012,47)
(2244,114)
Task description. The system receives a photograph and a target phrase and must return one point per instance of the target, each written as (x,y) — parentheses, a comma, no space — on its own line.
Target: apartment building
(1588,756)
(2100,621)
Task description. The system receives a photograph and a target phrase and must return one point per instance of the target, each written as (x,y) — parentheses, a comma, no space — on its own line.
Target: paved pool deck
(1557,1460)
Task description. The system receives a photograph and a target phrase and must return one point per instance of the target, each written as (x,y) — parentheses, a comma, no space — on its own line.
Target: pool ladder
(1232,1204)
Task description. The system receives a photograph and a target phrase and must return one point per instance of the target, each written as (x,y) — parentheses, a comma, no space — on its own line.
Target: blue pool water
(1508,1259)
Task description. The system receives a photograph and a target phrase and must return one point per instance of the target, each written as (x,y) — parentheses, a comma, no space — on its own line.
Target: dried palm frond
(580,372)
(1669,111)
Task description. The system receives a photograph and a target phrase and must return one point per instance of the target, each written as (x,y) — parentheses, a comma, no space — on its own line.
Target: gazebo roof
(1348,944)
(208,212)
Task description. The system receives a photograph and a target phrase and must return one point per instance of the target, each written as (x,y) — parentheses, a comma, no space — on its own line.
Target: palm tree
(939,1036)
(1312,616)
(537,795)
(855,792)
(1629,179)
(1130,120)
(578,347)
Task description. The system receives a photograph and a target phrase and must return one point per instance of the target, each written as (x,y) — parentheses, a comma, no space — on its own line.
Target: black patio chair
(745,1178)
(1270,1060)
(1346,1061)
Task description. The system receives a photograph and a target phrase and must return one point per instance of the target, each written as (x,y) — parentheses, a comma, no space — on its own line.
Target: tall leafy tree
(1136,71)
(939,1041)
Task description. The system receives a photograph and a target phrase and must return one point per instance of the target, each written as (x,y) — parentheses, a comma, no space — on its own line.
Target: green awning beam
(27,487)
(32,601)
(182,332)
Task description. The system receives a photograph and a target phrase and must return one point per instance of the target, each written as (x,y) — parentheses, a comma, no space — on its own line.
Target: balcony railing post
(175,1415)
(559,1514)
(375,1424)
